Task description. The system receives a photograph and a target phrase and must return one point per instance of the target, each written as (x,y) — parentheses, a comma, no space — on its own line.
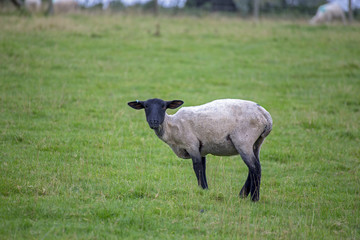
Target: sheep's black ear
(136,104)
(174,104)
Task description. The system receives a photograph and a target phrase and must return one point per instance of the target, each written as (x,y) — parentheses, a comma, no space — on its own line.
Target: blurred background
(243,8)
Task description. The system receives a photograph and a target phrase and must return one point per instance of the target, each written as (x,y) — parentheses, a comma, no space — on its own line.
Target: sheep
(222,127)
(65,6)
(328,12)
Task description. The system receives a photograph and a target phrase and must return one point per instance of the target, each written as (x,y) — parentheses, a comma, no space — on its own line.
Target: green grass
(77,163)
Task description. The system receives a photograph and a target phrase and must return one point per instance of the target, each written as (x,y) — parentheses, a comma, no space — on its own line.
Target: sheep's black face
(155,110)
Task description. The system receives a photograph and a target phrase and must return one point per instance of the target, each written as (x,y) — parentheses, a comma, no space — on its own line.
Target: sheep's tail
(267,130)
(269,122)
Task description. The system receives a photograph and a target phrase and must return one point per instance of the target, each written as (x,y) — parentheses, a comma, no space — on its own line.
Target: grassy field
(77,163)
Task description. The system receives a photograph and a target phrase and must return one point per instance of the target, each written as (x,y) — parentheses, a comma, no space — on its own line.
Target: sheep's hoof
(243,193)
(255,197)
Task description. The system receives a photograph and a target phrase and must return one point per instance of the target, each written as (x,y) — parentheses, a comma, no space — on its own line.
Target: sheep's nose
(154,121)
(154,124)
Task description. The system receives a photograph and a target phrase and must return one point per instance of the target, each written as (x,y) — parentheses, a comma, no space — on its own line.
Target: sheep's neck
(162,128)
(159,131)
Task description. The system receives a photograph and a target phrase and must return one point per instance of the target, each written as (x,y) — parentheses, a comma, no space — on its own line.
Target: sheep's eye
(146,106)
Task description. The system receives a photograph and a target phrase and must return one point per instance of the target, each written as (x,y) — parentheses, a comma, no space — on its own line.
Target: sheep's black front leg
(203,161)
(199,165)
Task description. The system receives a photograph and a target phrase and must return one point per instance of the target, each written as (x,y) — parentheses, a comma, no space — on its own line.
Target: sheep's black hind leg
(252,184)
(255,176)
(245,190)
(199,168)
